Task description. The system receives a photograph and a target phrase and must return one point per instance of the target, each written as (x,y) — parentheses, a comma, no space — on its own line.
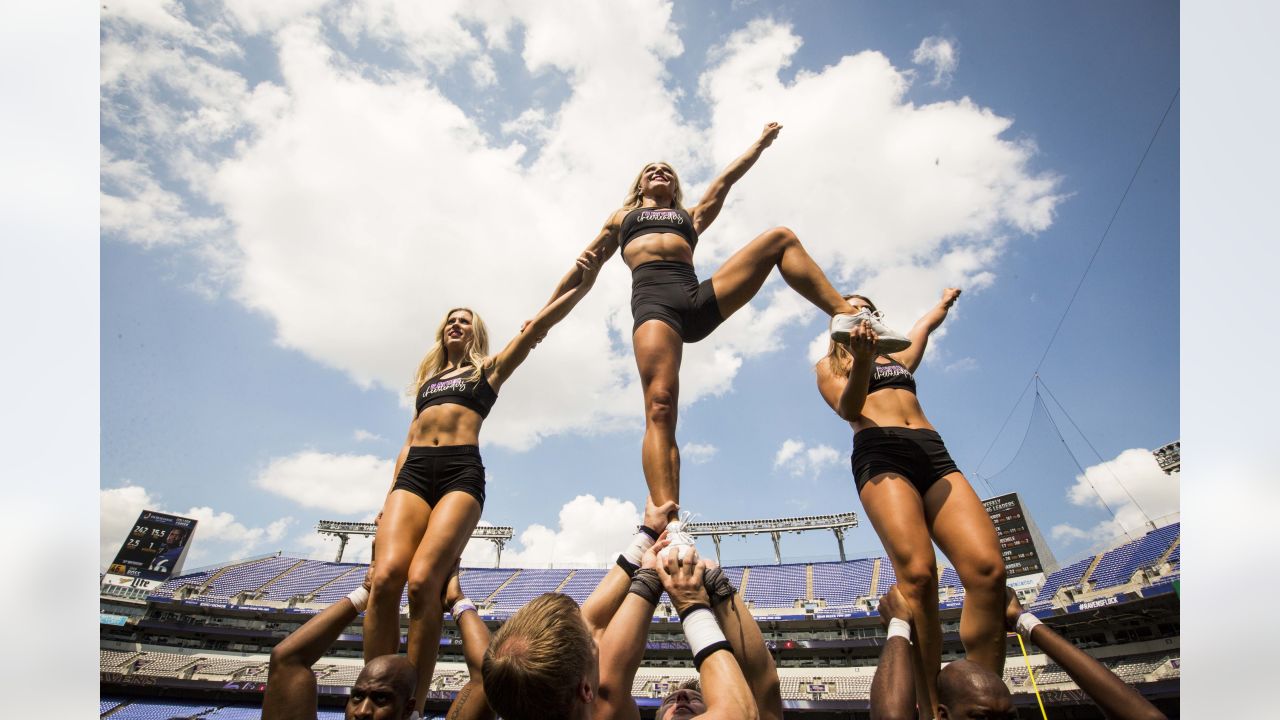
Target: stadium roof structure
(497,534)
(837,524)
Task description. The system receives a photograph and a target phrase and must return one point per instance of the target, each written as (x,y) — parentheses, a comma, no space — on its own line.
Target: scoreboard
(152,552)
(1014,529)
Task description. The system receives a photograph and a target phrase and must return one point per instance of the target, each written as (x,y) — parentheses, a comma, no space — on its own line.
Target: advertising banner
(152,552)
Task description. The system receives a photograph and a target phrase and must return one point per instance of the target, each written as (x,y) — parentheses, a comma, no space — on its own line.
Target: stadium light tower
(1170,457)
(497,534)
(837,524)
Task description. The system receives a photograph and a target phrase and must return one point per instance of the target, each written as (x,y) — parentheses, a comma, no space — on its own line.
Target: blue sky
(292,197)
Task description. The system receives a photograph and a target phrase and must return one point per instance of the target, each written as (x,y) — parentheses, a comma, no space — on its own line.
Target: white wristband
(899,628)
(635,551)
(360,598)
(1026,623)
(464,604)
(703,634)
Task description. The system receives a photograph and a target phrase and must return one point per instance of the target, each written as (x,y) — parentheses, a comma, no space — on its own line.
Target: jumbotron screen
(153,550)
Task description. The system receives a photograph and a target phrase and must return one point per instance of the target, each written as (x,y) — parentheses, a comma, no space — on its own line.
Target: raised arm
(470,703)
(505,362)
(603,246)
(291,686)
(749,649)
(927,323)
(893,691)
(705,212)
(1116,698)
(622,644)
(847,394)
(724,687)
(599,608)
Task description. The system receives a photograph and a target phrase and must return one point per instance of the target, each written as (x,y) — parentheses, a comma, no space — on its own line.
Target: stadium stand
(248,577)
(1118,566)
(525,586)
(776,586)
(842,583)
(305,580)
(480,583)
(1063,577)
(582,582)
(152,710)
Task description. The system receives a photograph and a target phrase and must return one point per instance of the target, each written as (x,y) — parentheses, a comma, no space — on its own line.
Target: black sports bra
(475,395)
(892,374)
(645,220)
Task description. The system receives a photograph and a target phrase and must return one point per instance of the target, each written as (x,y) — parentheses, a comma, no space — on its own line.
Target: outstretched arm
(753,656)
(920,332)
(603,246)
(291,686)
(471,703)
(724,687)
(846,395)
(506,361)
(705,212)
(599,608)
(622,645)
(1116,698)
(893,692)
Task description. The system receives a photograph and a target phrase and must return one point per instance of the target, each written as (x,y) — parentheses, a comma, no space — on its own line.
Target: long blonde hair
(634,198)
(838,357)
(437,359)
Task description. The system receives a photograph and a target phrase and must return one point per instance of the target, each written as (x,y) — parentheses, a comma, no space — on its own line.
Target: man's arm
(1113,695)
(600,606)
(743,633)
(623,641)
(893,692)
(724,688)
(471,703)
(291,686)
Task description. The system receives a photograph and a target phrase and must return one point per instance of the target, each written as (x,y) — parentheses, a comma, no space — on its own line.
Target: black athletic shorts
(916,454)
(670,292)
(433,472)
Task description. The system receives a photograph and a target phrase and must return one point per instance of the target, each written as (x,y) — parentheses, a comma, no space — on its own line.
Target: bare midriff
(445,425)
(651,247)
(892,407)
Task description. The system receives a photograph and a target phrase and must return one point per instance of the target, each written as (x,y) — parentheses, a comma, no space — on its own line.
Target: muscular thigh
(658,350)
(743,274)
(450,526)
(959,523)
(896,511)
(404,521)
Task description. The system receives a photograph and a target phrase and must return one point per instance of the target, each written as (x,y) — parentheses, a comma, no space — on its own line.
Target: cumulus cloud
(341,484)
(590,531)
(698,453)
(799,459)
(1133,486)
(330,191)
(362,435)
(940,53)
(219,535)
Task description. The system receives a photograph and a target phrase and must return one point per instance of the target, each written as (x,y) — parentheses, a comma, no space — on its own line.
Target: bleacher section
(140,709)
(502,591)
(1118,566)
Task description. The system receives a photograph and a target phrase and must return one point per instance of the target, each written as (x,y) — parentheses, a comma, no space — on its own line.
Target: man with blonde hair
(552,659)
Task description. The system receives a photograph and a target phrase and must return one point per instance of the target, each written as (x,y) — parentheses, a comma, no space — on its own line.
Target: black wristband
(696,606)
(650,532)
(717,585)
(627,565)
(708,651)
(647,585)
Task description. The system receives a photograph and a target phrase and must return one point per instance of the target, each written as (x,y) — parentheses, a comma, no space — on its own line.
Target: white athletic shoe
(891,341)
(681,541)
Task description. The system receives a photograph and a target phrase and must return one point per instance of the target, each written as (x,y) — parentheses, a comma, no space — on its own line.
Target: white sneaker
(891,341)
(681,541)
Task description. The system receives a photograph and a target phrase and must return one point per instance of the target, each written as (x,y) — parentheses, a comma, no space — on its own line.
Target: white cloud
(941,54)
(337,187)
(362,435)
(590,531)
(698,453)
(1133,486)
(219,536)
(341,484)
(800,459)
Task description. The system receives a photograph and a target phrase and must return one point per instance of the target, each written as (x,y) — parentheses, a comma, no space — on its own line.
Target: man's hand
(1012,609)
(655,516)
(893,605)
(683,580)
(770,132)
(949,297)
(650,558)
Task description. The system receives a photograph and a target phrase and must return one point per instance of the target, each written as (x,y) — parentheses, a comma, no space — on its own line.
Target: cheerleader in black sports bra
(914,494)
(437,490)
(657,236)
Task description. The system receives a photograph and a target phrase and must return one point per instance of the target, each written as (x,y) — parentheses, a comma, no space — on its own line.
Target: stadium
(198,645)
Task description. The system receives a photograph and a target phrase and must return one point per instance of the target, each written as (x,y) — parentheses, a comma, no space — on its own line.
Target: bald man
(384,690)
